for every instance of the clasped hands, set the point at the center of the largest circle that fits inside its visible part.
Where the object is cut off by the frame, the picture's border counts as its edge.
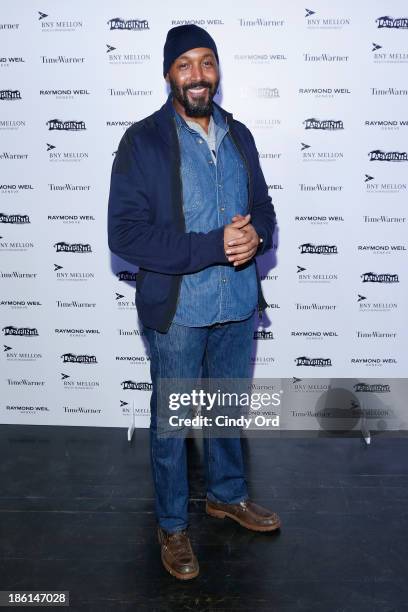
(240, 240)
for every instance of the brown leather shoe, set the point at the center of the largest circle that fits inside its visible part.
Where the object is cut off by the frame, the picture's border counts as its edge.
(246, 513)
(177, 555)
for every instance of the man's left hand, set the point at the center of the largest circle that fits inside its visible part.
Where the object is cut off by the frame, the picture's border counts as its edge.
(241, 250)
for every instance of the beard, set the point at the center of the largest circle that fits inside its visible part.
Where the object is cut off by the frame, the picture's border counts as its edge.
(199, 107)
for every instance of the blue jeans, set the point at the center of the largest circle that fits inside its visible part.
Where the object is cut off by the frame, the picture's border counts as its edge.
(223, 350)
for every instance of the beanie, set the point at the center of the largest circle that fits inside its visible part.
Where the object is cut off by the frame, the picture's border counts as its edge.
(183, 38)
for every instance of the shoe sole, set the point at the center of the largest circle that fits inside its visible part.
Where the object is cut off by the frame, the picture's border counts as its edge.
(173, 572)
(221, 514)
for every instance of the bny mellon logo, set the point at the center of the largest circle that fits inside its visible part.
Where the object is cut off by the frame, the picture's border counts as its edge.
(41, 15)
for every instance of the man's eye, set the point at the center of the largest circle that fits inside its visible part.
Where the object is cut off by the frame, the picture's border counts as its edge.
(208, 63)
(182, 66)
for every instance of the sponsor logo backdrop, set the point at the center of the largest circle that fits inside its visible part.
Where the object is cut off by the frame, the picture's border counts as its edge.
(324, 91)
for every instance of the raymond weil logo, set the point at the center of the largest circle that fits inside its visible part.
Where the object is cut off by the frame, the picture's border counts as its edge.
(72, 247)
(117, 56)
(72, 126)
(70, 219)
(49, 24)
(398, 23)
(64, 94)
(76, 332)
(323, 92)
(14, 218)
(374, 277)
(317, 362)
(15, 188)
(259, 58)
(373, 361)
(117, 23)
(388, 156)
(19, 304)
(382, 249)
(314, 334)
(10, 95)
(372, 186)
(317, 249)
(319, 219)
(310, 154)
(323, 124)
(316, 21)
(8, 61)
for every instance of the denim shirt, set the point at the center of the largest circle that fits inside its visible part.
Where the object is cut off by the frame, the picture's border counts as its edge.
(214, 190)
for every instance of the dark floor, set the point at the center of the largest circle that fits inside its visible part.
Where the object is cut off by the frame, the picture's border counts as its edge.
(76, 513)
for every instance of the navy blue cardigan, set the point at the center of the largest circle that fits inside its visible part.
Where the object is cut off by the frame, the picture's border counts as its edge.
(145, 213)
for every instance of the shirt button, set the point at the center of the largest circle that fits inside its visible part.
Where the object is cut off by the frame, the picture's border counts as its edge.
(199, 141)
(210, 161)
(222, 208)
(224, 280)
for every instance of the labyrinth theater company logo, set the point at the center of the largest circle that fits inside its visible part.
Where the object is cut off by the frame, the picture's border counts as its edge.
(318, 249)
(317, 362)
(136, 386)
(10, 94)
(389, 156)
(27, 332)
(323, 124)
(117, 23)
(14, 218)
(83, 359)
(72, 126)
(401, 23)
(373, 277)
(75, 247)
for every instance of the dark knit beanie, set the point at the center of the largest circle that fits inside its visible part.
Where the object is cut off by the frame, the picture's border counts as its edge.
(183, 38)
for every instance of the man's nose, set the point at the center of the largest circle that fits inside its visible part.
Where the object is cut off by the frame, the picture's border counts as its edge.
(196, 72)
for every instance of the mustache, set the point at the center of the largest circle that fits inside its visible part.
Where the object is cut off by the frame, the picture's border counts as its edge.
(197, 85)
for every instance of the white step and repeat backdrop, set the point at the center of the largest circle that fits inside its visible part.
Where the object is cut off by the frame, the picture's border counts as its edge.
(324, 90)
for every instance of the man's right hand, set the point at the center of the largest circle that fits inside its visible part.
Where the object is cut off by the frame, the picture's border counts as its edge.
(232, 231)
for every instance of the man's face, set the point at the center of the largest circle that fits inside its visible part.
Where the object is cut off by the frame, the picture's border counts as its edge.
(194, 80)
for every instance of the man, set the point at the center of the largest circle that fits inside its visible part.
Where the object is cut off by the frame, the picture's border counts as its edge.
(189, 205)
